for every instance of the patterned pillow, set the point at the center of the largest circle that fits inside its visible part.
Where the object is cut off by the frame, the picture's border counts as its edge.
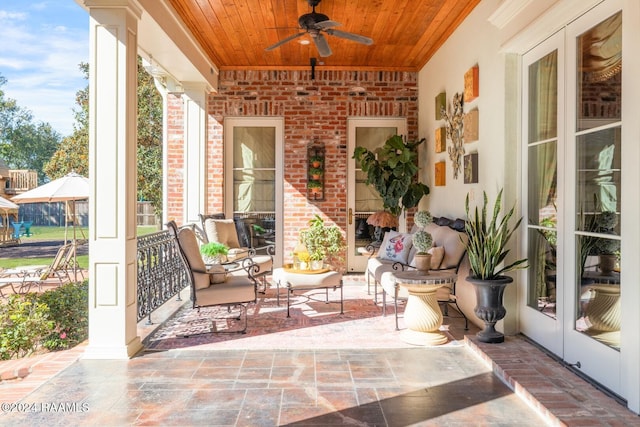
(396, 246)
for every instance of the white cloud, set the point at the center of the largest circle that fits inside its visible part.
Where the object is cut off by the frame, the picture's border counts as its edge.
(41, 48)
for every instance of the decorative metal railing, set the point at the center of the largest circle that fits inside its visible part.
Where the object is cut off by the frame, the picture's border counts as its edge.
(161, 274)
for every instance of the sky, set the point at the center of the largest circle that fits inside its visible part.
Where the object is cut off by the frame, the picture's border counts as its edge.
(42, 43)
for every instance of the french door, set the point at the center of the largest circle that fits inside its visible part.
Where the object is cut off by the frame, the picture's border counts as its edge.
(572, 134)
(253, 191)
(362, 199)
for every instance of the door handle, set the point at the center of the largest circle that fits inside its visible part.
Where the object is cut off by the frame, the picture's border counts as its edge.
(350, 216)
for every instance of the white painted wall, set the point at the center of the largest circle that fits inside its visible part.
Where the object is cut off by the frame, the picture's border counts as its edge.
(475, 41)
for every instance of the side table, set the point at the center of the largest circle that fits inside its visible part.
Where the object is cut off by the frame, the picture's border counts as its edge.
(422, 314)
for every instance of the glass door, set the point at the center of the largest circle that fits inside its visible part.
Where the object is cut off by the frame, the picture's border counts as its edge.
(543, 118)
(594, 178)
(253, 180)
(573, 145)
(363, 200)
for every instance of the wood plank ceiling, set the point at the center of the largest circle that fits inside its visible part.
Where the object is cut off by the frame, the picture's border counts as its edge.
(405, 33)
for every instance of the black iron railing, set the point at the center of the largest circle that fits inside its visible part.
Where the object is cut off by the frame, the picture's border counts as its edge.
(161, 274)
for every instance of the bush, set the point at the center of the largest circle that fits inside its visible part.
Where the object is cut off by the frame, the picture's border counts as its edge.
(24, 324)
(69, 310)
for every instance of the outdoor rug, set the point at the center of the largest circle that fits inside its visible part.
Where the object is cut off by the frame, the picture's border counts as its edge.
(313, 324)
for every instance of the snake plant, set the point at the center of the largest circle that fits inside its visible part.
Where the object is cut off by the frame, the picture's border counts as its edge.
(487, 246)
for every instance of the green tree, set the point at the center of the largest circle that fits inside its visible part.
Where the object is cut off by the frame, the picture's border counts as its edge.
(149, 140)
(73, 153)
(24, 144)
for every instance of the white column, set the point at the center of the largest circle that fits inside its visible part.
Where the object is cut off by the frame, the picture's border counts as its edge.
(112, 171)
(195, 151)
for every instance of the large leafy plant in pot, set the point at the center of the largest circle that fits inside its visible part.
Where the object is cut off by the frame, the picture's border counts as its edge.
(487, 251)
(392, 170)
(323, 242)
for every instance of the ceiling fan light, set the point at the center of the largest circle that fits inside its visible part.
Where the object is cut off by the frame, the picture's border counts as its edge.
(304, 41)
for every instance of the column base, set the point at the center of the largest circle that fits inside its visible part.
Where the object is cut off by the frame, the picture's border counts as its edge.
(423, 338)
(114, 353)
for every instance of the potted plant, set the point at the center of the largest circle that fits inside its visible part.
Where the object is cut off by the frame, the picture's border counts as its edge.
(322, 241)
(487, 251)
(423, 241)
(392, 170)
(315, 173)
(422, 218)
(214, 252)
(314, 186)
(606, 249)
(315, 161)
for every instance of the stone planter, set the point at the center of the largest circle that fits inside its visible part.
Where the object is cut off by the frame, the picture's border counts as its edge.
(489, 308)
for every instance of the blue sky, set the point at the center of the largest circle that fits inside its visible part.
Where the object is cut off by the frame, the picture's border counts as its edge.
(41, 44)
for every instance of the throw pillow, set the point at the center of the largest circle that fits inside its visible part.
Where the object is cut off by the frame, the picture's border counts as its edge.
(437, 255)
(217, 274)
(222, 231)
(396, 246)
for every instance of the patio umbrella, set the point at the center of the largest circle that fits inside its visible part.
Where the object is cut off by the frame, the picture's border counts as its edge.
(69, 188)
(6, 208)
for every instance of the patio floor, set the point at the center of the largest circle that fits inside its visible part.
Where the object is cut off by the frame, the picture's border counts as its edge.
(245, 381)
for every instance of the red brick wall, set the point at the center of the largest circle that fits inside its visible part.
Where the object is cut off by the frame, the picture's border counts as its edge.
(313, 110)
(175, 158)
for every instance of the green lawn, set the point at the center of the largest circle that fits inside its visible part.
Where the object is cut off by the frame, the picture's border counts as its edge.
(57, 233)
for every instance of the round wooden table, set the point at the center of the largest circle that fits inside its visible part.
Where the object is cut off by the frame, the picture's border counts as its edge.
(422, 314)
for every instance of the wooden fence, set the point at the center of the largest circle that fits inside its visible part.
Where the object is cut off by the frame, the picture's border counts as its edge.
(53, 214)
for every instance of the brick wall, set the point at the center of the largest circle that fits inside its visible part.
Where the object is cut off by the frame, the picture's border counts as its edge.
(313, 110)
(175, 158)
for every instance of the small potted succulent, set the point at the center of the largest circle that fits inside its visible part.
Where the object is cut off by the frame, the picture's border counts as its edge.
(214, 252)
(423, 241)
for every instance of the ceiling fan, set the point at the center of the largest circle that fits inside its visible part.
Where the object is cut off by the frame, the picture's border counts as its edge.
(314, 24)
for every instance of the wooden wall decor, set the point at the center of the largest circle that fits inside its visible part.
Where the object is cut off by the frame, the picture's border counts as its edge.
(471, 168)
(471, 120)
(471, 84)
(441, 104)
(441, 174)
(441, 140)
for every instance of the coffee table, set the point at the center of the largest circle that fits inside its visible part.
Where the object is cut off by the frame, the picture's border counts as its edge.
(422, 314)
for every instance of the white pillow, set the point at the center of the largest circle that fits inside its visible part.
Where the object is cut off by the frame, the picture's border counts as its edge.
(396, 246)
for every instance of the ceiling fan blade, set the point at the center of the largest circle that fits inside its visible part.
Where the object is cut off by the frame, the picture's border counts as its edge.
(326, 24)
(350, 36)
(322, 45)
(285, 40)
